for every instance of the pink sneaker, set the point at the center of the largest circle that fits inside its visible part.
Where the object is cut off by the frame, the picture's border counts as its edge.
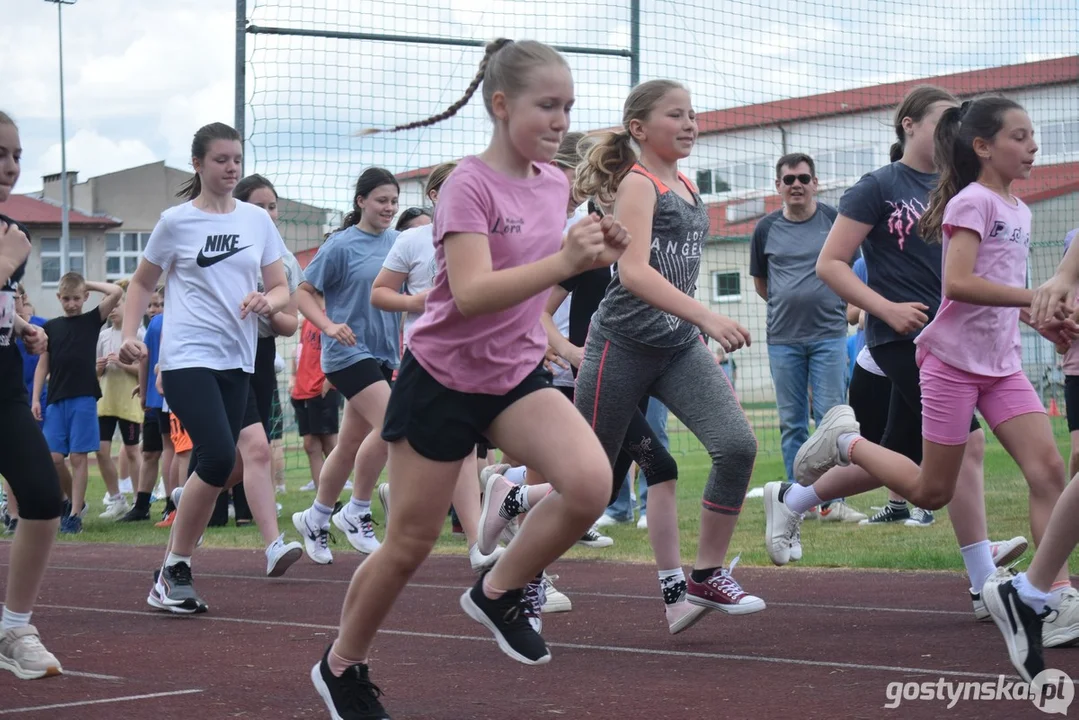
(722, 592)
(682, 615)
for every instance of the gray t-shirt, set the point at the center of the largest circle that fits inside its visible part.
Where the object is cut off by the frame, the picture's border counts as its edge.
(901, 266)
(678, 233)
(343, 270)
(294, 276)
(801, 308)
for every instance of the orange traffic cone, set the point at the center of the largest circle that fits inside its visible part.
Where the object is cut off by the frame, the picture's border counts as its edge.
(1054, 411)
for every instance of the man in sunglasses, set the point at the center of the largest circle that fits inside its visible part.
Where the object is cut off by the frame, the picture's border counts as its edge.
(807, 322)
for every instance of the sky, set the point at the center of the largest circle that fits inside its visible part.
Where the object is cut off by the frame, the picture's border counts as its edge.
(142, 76)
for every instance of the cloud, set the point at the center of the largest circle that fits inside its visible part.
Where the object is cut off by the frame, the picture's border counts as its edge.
(88, 150)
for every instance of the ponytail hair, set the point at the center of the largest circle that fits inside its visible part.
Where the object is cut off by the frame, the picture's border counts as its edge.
(505, 68)
(610, 156)
(369, 179)
(954, 156)
(437, 177)
(916, 105)
(200, 145)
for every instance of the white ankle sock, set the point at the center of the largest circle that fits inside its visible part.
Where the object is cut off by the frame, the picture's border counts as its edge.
(359, 508)
(320, 513)
(978, 559)
(799, 499)
(1032, 596)
(173, 559)
(13, 620)
(516, 475)
(845, 441)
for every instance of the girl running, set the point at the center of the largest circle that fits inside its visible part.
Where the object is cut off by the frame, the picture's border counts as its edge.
(26, 463)
(473, 371)
(212, 249)
(970, 354)
(360, 350)
(410, 266)
(880, 215)
(1019, 604)
(645, 339)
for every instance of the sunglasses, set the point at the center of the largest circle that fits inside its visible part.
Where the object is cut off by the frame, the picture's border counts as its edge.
(804, 178)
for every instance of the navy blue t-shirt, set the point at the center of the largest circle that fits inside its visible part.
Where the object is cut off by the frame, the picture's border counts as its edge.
(902, 267)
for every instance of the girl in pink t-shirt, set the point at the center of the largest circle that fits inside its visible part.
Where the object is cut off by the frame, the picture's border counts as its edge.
(474, 371)
(1070, 365)
(970, 354)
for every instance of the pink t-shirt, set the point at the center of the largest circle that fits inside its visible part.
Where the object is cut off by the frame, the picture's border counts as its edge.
(1070, 361)
(523, 219)
(980, 339)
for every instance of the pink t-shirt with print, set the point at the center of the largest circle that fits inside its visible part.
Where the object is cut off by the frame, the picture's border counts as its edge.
(980, 339)
(523, 219)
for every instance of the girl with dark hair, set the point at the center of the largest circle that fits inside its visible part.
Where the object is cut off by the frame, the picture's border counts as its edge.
(360, 350)
(212, 250)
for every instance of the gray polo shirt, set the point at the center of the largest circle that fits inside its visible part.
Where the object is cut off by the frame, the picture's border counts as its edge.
(801, 308)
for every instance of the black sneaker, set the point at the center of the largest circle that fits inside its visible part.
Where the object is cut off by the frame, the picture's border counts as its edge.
(1017, 621)
(174, 591)
(350, 697)
(920, 518)
(888, 514)
(507, 619)
(135, 514)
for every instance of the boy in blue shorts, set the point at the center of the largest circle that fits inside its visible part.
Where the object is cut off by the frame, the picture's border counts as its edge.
(70, 363)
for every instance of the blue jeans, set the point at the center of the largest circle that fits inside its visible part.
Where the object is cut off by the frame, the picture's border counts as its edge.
(622, 508)
(796, 369)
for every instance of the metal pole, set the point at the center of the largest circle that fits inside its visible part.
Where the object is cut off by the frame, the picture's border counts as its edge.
(239, 99)
(634, 42)
(64, 229)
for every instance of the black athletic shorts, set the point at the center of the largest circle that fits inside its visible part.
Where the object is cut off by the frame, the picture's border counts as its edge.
(151, 431)
(443, 424)
(1071, 401)
(319, 415)
(129, 431)
(358, 376)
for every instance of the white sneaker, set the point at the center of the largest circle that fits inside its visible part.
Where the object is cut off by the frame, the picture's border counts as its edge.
(796, 544)
(840, 511)
(159, 491)
(117, 508)
(487, 472)
(1063, 629)
(605, 520)
(510, 531)
(481, 562)
(682, 615)
(593, 539)
(22, 653)
(384, 499)
(780, 525)
(280, 556)
(642, 524)
(1005, 552)
(554, 601)
(309, 487)
(315, 538)
(820, 453)
(360, 530)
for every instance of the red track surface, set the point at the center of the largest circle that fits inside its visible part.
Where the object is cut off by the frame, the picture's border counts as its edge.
(827, 646)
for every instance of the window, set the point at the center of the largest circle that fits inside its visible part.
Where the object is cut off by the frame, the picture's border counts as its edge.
(1059, 138)
(123, 252)
(54, 265)
(726, 286)
(704, 182)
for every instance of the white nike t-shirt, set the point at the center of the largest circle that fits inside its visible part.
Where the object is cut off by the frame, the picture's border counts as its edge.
(413, 253)
(211, 263)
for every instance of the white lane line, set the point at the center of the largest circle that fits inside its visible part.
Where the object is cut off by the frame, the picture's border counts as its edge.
(104, 701)
(462, 588)
(935, 672)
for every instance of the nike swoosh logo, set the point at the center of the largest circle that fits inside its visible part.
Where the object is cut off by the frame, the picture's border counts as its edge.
(206, 262)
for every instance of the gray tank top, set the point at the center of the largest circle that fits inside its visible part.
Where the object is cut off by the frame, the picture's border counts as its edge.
(678, 234)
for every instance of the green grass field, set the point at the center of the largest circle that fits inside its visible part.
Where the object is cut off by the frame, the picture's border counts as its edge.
(826, 545)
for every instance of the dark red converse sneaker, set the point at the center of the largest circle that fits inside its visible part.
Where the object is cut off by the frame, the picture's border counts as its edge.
(720, 591)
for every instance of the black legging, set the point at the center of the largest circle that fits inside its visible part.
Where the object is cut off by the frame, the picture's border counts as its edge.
(210, 404)
(641, 445)
(264, 381)
(26, 463)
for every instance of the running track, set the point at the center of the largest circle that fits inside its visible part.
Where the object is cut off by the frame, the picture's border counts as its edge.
(826, 647)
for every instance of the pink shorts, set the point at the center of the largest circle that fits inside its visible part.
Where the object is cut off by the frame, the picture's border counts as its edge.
(949, 396)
